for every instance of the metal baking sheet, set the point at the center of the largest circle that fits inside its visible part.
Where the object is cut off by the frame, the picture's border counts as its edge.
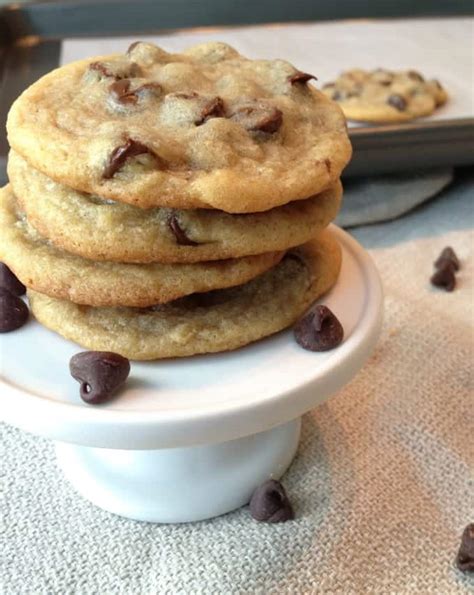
(37, 37)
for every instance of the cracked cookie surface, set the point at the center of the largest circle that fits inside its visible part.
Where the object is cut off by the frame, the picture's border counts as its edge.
(217, 321)
(108, 230)
(384, 96)
(41, 266)
(206, 128)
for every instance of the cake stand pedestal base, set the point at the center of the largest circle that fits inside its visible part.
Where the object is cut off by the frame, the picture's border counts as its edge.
(175, 485)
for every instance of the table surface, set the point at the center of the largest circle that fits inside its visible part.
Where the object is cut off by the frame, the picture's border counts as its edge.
(382, 484)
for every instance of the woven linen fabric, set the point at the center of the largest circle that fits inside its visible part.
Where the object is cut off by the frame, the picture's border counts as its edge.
(382, 484)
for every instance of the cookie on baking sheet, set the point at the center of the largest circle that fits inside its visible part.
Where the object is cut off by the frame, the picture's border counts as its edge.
(107, 230)
(41, 266)
(205, 128)
(202, 323)
(385, 96)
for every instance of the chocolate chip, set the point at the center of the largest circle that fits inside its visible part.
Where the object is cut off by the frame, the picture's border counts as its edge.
(398, 102)
(8, 280)
(337, 96)
(415, 76)
(100, 374)
(181, 95)
(447, 255)
(118, 73)
(118, 157)
(270, 503)
(385, 83)
(327, 163)
(181, 238)
(258, 117)
(465, 557)
(13, 311)
(319, 330)
(212, 109)
(102, 68)
(124, 95)
(120, 91)
(132, 46)
(301, 77)
(444, 277)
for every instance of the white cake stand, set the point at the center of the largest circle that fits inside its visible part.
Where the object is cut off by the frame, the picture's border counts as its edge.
(188, 439)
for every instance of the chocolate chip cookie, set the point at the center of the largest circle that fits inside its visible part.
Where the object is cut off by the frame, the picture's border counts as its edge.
(207, 128)
(108, 230)
(384, 96)
(202, 323)
(41, 266)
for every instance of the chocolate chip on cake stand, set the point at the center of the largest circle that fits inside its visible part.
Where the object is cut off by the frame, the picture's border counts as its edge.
(192, 438)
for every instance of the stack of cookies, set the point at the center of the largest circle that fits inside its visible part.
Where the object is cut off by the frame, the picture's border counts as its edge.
(163, 205)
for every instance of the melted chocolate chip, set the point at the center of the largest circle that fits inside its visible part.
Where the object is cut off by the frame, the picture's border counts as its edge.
(415, 76)
(385, 83)
(122, 93)
(212, 109)
(398, 102)
(465, 557)
(259, 118)
(447, 255)
(132, 46)
(118, 157)
(207, 299)
(319, 330)
(8, 280)
(13, 311)
(100, 374)
(181, 238)
(131, 71)
(100, 67)
(444, 277)
(301, 77)
(191, 95)
(327, 163)
(270, 504)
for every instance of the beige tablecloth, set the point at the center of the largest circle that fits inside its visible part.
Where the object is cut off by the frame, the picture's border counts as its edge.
(382, 485)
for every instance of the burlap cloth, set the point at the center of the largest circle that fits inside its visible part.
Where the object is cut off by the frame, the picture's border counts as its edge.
(382, 485)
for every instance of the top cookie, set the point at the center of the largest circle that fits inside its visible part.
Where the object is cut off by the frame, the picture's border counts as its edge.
(205, 128)
(384, 96)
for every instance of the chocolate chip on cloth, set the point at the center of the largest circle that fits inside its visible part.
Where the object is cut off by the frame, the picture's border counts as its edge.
(319, 330)
(465, 557)
(270, 504)
(447, 255)
(444, 277)
(100, 374)
(13, 311)
(9, 281)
